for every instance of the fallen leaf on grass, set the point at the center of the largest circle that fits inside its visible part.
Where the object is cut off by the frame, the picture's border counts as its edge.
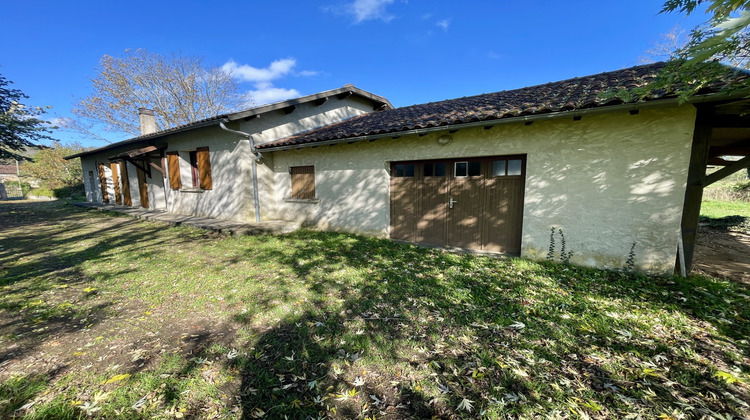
(116, 378)
(465, 404)
(728, 377)
(517, 325)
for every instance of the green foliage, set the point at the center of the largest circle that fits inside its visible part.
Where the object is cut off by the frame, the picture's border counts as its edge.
(630, 262)
(564, 256)
(683, 78)
(551, 250)
(723, 38)
(734, 188)
(50, 167)
(74, 192)
(20, 129)
(41, 192)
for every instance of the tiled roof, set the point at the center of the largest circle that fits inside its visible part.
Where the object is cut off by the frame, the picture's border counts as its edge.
(378, 101)
(566, 95)
(8, 169)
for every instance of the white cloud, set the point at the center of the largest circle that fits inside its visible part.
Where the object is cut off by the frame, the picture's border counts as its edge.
(247, 73)
(60, 122)
(443, 24)
(269, 95)
(363, 10)
(308, 73)
(262, 79)
(371, 9)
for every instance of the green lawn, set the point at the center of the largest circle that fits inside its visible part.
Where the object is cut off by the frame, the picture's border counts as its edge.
(726, 215)
(102, 315)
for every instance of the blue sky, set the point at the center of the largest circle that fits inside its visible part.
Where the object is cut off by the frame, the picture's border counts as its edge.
(411, 51)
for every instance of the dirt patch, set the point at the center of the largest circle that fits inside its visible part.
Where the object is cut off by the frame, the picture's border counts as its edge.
(724, 254)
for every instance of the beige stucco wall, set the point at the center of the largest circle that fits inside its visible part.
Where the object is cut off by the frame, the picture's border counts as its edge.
(229, 157)
(232, 194)
(608, 181)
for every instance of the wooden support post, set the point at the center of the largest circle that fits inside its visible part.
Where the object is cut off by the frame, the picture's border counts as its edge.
(731, 168)
(695, 180)
(145, 168)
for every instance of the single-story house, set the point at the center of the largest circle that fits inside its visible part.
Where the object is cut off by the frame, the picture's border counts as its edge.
(499, 172)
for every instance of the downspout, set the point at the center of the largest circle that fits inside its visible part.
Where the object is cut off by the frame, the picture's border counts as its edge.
(256, 156)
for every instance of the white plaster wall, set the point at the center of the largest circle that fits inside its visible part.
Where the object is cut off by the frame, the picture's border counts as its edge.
(157, 198)
(278, 125)
(135, 195)
(230, 160)
(608, 181)
(93, 192)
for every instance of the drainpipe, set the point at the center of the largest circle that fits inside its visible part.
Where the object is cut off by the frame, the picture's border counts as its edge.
(256, 155)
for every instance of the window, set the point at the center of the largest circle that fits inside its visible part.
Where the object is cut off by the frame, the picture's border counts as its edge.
(405, 170)
(511, 167)
(498, 167)
(303, 182)
(464, 169)
(199, 161)
(514, 167)
(194, 169)
(434, 169)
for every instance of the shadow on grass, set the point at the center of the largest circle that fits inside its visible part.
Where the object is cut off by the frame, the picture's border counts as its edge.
(352, 327)
(399, 331)
(43, 248)
(727, 223)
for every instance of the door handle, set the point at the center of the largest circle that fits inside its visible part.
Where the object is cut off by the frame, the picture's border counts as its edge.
(451, 201)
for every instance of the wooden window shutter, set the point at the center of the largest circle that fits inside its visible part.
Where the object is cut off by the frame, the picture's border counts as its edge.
(125, 183)
(103, 183)
(303, 182)
(116, 181)
(204, 168)
(173, 164)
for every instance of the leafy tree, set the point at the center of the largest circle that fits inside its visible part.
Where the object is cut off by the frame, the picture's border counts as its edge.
(20, 129)
(724, 38)
(50, 167)
(180, 90)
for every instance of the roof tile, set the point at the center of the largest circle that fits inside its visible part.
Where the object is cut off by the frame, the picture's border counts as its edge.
(566, 95)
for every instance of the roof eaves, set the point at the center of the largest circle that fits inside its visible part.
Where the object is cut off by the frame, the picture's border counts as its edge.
(309, 98)
(284, 144)
(153, 136)
(376, 99)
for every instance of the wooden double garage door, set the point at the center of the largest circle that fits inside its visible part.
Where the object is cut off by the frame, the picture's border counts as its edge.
(474, 203)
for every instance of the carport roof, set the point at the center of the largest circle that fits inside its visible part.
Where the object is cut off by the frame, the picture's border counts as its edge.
(579, 93)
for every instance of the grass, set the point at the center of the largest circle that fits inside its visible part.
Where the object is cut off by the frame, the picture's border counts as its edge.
(726, 215)
(107, 316)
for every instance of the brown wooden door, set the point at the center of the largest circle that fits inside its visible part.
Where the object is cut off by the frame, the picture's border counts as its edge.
(433, 202)
(125, 184)
(466, 204)
(404, 201)
(503, 208)
(116, 182)
(473, 203)
(142, 188)
(103, 183)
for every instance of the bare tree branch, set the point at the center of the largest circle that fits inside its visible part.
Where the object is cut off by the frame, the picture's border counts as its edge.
(180, 90)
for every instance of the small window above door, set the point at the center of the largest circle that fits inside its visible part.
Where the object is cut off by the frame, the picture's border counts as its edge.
(467, 169)
(433, 169)
(404, 170)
